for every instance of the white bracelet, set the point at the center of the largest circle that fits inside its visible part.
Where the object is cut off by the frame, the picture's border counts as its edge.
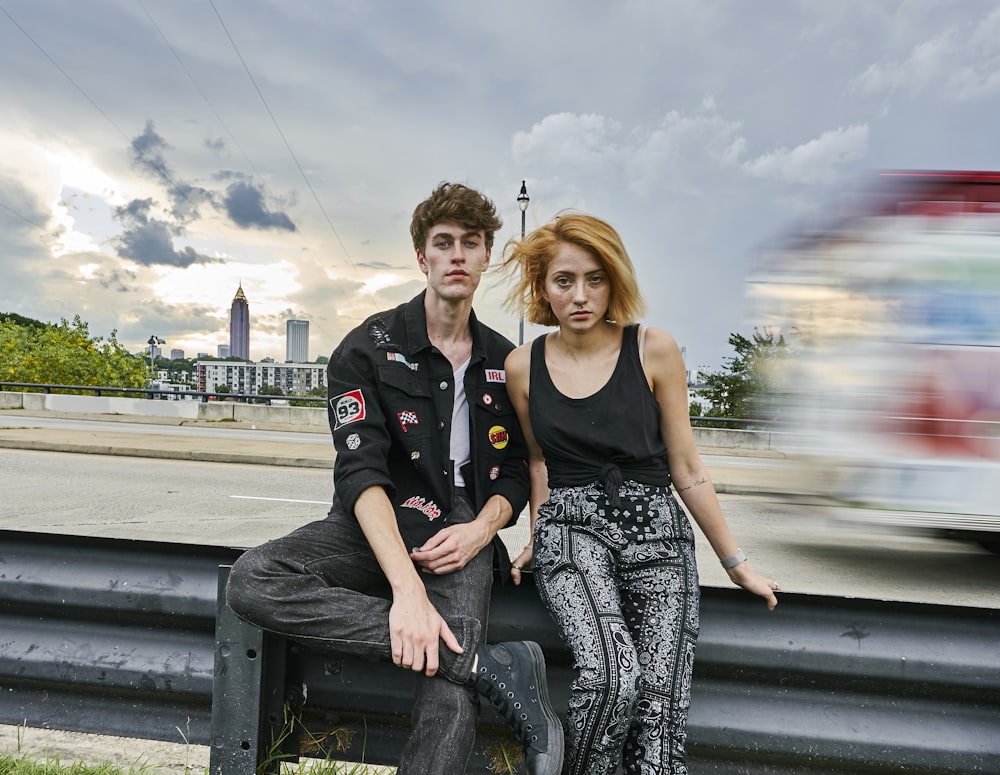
(734, 560)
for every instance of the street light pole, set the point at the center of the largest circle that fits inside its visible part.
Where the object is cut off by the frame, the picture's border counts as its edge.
(153, 341)
(522, 203)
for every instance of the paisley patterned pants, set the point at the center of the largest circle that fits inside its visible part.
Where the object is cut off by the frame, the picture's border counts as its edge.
(622, 587)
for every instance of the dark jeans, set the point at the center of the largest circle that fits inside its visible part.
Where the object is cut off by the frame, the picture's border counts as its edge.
(322, 586)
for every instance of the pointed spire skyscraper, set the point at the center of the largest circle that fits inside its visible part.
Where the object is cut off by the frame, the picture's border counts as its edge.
(239, 326)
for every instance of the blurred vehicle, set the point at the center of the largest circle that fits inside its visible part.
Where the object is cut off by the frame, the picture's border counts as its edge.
(890, 396)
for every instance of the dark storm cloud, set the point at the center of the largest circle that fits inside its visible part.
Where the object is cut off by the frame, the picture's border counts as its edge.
(245, 205)
(152, 244)
(149, 241)
(148, 153)
(149, 156)
(186, 198)
(118, 280)
(135, 211)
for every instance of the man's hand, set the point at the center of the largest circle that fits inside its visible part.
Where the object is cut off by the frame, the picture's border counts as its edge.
(451, 548)
(415, 627)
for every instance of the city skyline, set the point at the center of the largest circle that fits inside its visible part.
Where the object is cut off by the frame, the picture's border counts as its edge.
(240, 331)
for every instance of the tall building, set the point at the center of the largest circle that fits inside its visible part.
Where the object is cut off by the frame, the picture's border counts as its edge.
(297, 341)
(239, 326)
(222, 351)
(176, 354)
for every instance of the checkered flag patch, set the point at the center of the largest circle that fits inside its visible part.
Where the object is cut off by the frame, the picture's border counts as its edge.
(407, 417)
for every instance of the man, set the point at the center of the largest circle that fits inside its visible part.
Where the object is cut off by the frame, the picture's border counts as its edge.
(430, 465)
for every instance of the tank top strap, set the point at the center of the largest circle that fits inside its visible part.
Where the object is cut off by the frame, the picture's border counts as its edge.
(631, 355)
(537, 373)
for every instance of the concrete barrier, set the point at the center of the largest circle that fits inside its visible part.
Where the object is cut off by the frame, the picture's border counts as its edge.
(297, 417)
(11, 400)
(294, 416)
(732, 438)
(32, 401)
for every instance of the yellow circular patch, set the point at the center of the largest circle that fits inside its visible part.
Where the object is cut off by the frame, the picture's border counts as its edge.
(498, 437)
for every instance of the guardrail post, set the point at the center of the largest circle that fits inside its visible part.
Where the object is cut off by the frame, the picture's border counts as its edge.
(250, 731)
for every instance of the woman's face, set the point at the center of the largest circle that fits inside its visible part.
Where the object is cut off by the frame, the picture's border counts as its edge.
(577, 288)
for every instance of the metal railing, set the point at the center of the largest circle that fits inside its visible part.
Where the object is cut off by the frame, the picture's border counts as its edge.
(268, 400)
(159, 393)
(123, 638)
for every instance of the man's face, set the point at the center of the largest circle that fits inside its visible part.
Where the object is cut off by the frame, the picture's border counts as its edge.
(454, 259)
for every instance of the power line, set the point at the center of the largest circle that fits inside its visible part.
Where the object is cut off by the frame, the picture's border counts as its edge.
(288, 146)
(198, 87)
(24, 218)
(151, 162)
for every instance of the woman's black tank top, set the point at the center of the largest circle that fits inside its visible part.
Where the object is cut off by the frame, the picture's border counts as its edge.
(607, 437)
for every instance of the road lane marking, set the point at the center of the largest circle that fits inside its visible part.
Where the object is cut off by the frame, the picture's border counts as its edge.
(280, 500)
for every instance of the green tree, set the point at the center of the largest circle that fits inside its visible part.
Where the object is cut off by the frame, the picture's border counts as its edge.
(742, 388)
(13, 317)
(318, 392)
(66, 354)
(267, 390)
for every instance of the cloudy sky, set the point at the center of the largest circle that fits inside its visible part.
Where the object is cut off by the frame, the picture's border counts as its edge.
(159, 153)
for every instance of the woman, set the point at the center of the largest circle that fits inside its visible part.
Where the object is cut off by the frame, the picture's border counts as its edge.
(603, 405)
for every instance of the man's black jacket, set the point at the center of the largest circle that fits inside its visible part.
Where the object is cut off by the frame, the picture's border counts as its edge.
(390, 407)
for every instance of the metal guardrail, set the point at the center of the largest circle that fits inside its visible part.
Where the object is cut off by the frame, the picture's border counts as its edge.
(154, 393)
(107, 636)
(122, 637)
(735, 423)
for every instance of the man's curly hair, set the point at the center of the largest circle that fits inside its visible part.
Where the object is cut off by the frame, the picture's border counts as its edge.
(455, 203)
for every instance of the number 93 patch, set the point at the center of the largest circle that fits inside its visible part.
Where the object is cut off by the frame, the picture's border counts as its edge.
(347, 408)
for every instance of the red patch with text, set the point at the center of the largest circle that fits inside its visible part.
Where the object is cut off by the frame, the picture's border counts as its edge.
(347, 408)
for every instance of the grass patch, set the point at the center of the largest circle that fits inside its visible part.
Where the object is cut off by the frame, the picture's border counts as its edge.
(19, 758)
(318, 755)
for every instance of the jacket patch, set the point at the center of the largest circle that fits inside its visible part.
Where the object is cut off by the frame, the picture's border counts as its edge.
(347, 408)
(498, 437)
(496, 375)
(428, 508)
(353, 441)
(494, 473)
(378, 333)
(406, 417)
(400, 358)
(487, 399)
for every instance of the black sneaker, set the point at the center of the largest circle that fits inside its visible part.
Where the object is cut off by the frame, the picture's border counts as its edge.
(512, 677)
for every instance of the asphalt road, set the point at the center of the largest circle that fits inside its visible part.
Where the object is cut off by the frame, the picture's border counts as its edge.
(242, 504)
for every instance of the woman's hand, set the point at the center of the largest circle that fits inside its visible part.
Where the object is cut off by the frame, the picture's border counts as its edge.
(522, 562)
(744, 576)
